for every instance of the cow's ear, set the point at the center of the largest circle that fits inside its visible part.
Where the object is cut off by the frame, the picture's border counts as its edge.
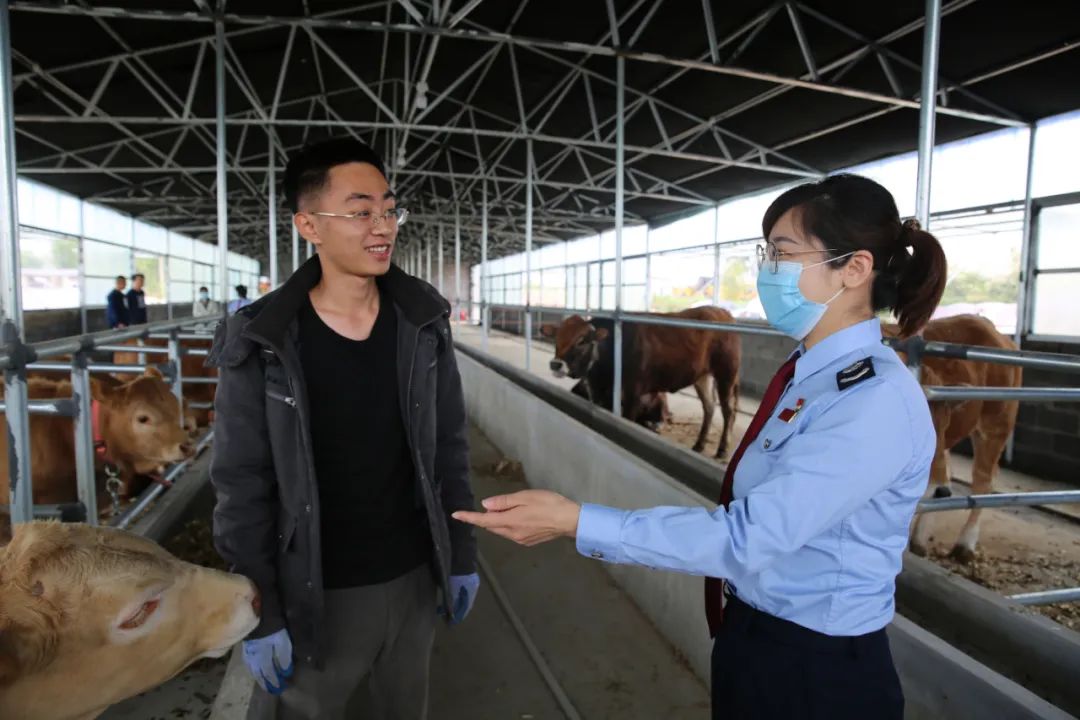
(153, 372)
(547, 330)
(103, 392)
(601, 334)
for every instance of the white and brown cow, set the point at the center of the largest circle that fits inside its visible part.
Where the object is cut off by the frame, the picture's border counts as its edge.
(656, 360)
(92, 616)
(138, 428)
(988, 423)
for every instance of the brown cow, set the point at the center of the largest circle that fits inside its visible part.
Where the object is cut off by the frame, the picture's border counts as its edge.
(138, 424)
(92, 616)
(191, 366)
(989, 423)
(656, 360)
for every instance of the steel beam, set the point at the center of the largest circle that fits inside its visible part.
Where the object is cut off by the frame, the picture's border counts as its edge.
(485, 289)
(620, 172)
(927, 117)
(530, 172)
(222, 196)
(16, 390)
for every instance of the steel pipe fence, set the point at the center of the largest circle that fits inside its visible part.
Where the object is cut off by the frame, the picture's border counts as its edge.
(21, 358)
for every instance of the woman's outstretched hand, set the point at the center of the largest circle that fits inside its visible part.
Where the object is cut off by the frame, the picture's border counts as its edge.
(529, 517)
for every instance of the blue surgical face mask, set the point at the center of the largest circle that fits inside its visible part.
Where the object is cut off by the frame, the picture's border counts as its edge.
(204, 296)
(786, 308)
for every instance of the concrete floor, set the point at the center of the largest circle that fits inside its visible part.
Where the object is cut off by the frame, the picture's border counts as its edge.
(610, 661)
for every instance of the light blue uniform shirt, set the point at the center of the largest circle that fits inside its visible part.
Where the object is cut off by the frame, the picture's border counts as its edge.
(823, 501)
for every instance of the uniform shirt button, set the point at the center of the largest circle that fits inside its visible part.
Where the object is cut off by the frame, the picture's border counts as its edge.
(310, 584)
(307, 508)
(597, 555)
(767, 444)
(309, 658)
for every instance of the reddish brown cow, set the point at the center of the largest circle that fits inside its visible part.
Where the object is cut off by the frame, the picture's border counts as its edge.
(656, 360)
(138, 424)
(988, 423)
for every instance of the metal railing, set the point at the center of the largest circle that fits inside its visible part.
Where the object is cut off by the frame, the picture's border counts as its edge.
(17, 359)
(916, 349)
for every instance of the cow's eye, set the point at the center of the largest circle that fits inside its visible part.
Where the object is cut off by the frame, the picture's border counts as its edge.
(141, 615)
(143, 419)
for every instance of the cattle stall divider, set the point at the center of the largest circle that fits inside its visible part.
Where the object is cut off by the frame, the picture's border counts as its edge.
(19, 358)
(916, 348)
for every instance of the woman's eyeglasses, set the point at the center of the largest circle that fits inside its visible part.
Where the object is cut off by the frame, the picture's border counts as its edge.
(769, 253)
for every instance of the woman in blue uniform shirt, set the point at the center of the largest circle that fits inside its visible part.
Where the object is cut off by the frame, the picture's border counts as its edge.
(821, 493)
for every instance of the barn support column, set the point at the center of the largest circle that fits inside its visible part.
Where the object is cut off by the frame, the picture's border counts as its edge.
(16, 393)
(272, 208)
(528, 251)
(485, 290)
(222, 196)
(427, 253)
(1023, 300)
(716, 256)
(620, 192)
(442, 290)
(457, 261)
(927, 110)
(295, 248)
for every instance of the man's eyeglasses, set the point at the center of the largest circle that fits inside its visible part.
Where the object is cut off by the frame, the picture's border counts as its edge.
(394, 216)
(769, 253)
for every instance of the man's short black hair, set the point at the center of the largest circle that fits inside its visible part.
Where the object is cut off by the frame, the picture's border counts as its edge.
(307, 171)
(204, 289)
(121, 277)
(136, 276)
(241, 290)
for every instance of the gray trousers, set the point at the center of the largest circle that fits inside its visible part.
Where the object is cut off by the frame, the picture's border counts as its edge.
(377, 642)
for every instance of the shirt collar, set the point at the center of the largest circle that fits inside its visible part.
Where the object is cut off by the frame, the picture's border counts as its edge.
(863, 334)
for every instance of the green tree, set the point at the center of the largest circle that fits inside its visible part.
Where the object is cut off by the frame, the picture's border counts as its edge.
(971, 287)
(735, 285)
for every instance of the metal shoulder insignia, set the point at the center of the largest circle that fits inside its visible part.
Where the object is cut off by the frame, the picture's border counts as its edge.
(855, 374)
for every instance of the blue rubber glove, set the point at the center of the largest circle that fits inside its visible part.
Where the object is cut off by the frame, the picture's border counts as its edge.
(270, 660)
(463, 588)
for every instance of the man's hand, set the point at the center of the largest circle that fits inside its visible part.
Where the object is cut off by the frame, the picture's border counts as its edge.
(270, 660)
(529, 517)
(463, 589)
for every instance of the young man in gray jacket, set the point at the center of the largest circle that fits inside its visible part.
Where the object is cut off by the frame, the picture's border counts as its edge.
(340, 452)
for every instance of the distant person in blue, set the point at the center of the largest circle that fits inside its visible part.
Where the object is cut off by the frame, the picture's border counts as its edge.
(818, 499)
(241, 300)
(136, 300)
(116, 309)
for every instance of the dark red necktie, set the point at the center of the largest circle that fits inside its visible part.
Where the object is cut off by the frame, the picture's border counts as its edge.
(714, 588)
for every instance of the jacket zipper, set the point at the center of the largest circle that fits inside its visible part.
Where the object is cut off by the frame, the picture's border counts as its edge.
(288, 400)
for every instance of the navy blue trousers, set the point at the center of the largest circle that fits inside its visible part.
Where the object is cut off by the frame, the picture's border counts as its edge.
(765, 668)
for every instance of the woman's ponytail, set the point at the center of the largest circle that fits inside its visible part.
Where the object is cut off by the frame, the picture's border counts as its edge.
(921, 278)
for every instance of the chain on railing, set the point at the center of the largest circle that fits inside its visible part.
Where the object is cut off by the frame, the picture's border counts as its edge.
(18, 358)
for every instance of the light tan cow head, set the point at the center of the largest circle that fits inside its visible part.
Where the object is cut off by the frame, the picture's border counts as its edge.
(141, 423)
(92, 616)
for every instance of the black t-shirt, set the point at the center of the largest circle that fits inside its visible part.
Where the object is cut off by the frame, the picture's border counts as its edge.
(373, 527)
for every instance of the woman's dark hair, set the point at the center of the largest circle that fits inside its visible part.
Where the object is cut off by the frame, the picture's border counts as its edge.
(308, 170)
(850, 212)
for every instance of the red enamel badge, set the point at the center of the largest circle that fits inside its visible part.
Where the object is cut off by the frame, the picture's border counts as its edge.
(788, 414)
